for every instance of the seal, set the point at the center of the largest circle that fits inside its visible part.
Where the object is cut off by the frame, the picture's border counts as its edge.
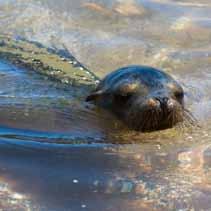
(145, 98)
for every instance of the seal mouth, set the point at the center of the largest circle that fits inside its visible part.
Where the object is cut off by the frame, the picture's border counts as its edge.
(157, 114)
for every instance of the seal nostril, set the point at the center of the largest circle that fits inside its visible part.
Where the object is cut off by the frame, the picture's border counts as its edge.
(166, 103)
(170, 104)
(160, 100)
(165, 100)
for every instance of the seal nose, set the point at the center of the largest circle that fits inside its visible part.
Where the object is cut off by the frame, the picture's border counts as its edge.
(167, 103)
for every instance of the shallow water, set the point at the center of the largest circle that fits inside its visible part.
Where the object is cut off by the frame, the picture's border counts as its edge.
(59, 153)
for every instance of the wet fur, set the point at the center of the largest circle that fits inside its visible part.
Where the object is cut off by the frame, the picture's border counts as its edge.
(145, 98)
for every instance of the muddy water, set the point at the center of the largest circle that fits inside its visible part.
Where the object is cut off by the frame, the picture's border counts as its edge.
(59, 153)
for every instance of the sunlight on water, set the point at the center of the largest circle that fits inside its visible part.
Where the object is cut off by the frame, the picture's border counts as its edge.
(10, 200)
(181, 24)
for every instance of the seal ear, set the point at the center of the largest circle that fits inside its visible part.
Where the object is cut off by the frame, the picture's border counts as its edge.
(94, 95)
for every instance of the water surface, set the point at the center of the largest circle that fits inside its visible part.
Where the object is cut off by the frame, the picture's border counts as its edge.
(59, 153)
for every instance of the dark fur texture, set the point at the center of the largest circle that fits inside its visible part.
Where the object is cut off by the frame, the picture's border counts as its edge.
(145, 98)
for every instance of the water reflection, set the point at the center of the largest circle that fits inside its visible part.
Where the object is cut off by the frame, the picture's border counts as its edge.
(11, 200)
(50, 137)
(134, 177)
(59, 153)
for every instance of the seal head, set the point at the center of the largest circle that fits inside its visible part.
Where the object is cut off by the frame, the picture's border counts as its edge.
(145, 98)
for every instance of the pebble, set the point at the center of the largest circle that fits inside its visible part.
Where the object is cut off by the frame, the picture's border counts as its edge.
(158, 146)
(206, 135)
(36, 60)
(52, 73)
(84, 78)
(88, 73)
(63, 59)
(83, 206)
(66, 81)
(75, 181)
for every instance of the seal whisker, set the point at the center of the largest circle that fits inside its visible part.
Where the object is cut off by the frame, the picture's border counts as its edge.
(157, 118)
(172, 115)
(145, 115)
(151, 120)
(190, 115)
(170, 118)
(190, 118)
(154, 119)
(148, 118)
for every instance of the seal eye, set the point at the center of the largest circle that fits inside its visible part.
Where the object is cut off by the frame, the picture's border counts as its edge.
(177, 90)
(179, 94)
(121, 99)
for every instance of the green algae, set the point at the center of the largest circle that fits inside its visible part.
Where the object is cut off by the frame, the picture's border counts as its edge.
(34, 56)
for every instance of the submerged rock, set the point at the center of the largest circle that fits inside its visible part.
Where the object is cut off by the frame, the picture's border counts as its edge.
(35, 57)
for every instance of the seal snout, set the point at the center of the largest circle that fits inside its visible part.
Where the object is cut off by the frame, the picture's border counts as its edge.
(166, 103)
(157, 113)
